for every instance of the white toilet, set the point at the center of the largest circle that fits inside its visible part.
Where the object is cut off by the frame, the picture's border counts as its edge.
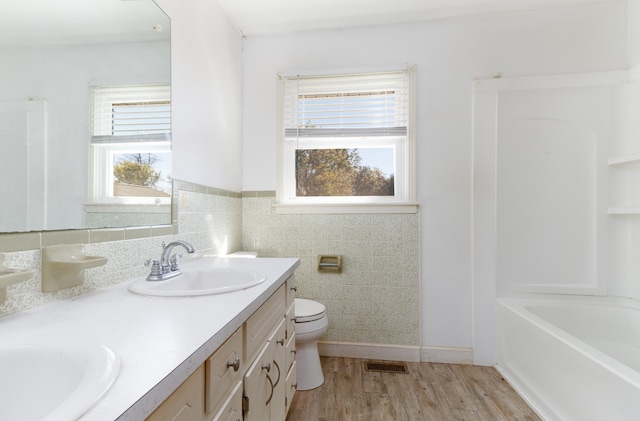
(311, 323)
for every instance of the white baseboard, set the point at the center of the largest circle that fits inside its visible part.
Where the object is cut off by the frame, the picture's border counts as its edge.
(370, 351)
(434, 354)
(396, 352)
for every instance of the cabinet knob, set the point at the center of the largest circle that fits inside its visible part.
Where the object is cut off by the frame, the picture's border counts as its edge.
(294, 289)
(293, 351)
(267, 367)
(235, 364)
(280, 341)
(295, 385)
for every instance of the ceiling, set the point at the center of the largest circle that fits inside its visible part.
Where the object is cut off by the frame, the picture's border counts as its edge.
(254, 17)
(40, 22)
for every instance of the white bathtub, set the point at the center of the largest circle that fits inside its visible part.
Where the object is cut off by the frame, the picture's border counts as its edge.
(572, 358)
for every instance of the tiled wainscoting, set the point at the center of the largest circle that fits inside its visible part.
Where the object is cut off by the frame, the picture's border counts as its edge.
(376, 299)
(208, 218)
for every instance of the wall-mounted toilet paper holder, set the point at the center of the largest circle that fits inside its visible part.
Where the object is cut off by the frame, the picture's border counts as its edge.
(330, 263)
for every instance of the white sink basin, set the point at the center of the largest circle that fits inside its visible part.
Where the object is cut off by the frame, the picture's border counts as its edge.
(53, 378)
(200, 281)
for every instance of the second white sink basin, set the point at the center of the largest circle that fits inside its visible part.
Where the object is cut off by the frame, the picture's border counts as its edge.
(200, 281)
(53, 378)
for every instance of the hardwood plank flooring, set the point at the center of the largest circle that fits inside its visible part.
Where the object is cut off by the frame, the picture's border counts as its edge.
(430, 391)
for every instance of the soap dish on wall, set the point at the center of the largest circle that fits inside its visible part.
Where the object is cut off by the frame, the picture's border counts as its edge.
(11, 276)
(63, 266)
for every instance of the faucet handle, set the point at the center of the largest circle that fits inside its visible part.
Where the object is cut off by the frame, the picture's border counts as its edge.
(156, 266)
(173, 261)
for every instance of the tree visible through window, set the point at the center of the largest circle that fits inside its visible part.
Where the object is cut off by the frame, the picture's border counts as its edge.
(339, 172)
(137, 169)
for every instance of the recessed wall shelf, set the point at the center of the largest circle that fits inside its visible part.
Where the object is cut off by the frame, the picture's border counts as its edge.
(624, 210)
(624, 159)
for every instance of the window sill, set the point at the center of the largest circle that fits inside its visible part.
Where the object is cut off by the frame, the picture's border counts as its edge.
(280, 208)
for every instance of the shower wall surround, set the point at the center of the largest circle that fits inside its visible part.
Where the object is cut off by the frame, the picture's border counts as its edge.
(376, 299)
(208, 218)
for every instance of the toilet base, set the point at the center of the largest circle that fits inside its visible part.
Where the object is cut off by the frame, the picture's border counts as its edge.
(309, 370)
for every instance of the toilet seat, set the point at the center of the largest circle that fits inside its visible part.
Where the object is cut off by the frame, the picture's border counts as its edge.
(308, 310)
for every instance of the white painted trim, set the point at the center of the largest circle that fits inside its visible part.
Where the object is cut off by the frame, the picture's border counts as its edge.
(553, 81)
(398, 67)
(370, 351)
(396, 352)
(485, 108)
(435, 354)
(634, 73)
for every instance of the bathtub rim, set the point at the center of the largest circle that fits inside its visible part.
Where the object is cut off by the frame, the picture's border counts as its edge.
(518, 302)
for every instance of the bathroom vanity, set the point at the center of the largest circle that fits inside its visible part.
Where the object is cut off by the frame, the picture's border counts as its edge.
(252, 373)
(215, 357)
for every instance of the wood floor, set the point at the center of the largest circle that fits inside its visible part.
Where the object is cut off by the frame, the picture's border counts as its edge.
(434, 392)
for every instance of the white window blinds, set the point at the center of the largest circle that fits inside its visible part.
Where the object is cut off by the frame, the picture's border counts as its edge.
(140, 113)
(358, 105)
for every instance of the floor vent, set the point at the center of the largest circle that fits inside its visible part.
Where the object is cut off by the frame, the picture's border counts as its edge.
(386, 367)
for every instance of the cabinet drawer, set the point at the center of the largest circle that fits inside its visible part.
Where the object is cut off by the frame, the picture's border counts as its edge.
(292, 288)
(186, 403)
(290, 350)
(290, 387)
(290, 321)
(221, 372)
(261, 323)
(231, 409)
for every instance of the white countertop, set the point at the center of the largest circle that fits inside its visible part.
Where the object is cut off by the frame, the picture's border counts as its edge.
(159, 340)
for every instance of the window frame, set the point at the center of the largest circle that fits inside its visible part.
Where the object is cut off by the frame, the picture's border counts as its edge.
(403, 147)
(102, 178)
(104, 146)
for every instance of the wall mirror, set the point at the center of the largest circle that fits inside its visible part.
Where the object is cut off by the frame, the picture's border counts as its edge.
(85, 114)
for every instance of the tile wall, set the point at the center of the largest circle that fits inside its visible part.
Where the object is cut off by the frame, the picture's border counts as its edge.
(376, 298)
(208, 218)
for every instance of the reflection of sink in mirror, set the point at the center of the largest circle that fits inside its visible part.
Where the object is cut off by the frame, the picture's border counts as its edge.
(53, 378)
(199, 280)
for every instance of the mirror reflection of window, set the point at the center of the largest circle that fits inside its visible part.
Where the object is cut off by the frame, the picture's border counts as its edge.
(131, 144)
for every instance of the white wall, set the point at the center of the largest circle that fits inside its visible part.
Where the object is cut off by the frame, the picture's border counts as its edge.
(206, 57)
(449, 54)
(634, 33)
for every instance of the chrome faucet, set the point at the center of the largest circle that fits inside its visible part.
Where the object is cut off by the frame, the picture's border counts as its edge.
(167, 266)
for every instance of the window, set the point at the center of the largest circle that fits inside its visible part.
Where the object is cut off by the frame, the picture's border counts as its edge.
(347, 139)
(131, 144)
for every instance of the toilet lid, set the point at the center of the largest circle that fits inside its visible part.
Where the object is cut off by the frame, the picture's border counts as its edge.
(308, 310)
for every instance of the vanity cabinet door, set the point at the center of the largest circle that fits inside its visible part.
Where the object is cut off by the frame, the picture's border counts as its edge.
(277, 409)
(258, 386)
(290, 387)
(231, 409)
(290, 353)
(186, 403)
